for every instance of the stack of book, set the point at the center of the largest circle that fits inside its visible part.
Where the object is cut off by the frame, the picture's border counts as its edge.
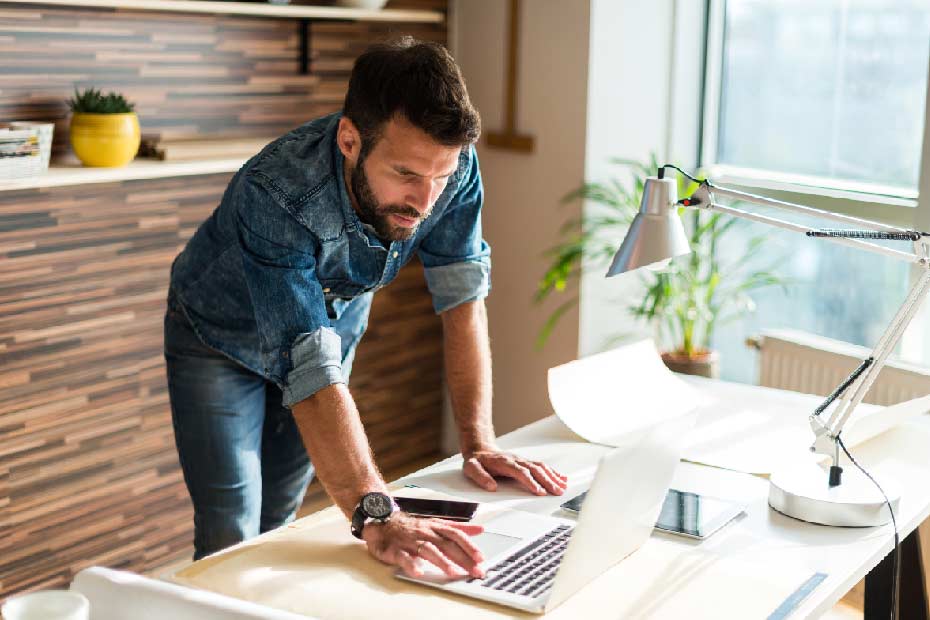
(20, 155)
(156, 147)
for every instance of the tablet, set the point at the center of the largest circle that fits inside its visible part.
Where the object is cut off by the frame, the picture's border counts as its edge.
(684, 513)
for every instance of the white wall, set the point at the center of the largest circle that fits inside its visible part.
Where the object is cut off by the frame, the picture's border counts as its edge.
(522, 191)
(643, 94)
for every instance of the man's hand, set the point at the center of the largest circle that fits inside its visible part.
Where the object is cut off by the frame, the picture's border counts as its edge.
(536, 477)
(404, 540)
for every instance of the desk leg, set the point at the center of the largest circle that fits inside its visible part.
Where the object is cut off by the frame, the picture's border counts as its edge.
(913, 591)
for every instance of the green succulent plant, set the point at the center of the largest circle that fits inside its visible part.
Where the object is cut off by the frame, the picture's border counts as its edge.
(92, 101)
(687, 301)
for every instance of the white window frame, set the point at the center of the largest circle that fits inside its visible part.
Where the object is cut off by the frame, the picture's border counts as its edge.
(892, 205)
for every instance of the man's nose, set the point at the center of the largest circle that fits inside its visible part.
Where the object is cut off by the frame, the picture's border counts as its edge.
(422, 196)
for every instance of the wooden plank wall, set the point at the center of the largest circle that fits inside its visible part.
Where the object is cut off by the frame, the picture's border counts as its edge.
(88, 469)
(189, 74)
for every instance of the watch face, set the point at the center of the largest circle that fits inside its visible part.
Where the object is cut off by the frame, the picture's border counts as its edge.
(377, 505)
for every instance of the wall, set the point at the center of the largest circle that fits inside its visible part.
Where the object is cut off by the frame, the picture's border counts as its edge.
(88, 468)
(522, 214)
(597, 79)
(190, 75)
(643, 93)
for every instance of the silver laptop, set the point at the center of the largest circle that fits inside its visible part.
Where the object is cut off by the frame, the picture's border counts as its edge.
(536, 562)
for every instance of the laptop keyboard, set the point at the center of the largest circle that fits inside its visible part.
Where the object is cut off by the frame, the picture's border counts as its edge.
(531, 570)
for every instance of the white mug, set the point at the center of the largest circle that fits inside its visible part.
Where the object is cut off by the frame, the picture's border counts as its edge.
(45, 132)
(47, 605)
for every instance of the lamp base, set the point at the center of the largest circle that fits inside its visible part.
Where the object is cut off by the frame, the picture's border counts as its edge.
(803, 493)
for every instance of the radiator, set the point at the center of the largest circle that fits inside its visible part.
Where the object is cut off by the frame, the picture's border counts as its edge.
(802, 362)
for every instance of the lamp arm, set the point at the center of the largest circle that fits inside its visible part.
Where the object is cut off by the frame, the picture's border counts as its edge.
(854, 388)
(771, 221)
(883, 349)
(796, 208)
(704, 198)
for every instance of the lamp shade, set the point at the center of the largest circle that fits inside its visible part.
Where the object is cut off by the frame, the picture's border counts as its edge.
(656, 234)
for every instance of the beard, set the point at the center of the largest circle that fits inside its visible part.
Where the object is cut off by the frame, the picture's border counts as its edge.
(376, 215)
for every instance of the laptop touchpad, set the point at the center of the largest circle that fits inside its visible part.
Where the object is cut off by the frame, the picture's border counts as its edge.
(492, 544)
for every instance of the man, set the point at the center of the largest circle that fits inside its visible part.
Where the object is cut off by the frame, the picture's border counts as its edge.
(271, 296)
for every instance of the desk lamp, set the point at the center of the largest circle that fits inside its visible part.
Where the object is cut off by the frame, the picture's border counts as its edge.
(803, 491)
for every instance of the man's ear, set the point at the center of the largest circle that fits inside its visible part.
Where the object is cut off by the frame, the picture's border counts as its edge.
(349, 140)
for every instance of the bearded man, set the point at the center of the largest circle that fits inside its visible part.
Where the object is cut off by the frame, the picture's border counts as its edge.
(270, 298)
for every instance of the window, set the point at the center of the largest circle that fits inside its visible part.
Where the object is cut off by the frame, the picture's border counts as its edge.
(820, 95)
(831, 290)
(833, 88)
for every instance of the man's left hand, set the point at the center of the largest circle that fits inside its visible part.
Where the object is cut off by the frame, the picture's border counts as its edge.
(536, 477)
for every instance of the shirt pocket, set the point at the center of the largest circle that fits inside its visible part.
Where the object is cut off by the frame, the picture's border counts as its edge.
(336, 288)
(338, 293)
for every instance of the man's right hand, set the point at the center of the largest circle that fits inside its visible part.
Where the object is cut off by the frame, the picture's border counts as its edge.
(404, 541)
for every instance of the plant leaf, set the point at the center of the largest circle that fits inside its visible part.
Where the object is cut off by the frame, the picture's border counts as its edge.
(550, 323)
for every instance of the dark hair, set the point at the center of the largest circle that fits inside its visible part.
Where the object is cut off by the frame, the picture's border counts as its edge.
(417, 79)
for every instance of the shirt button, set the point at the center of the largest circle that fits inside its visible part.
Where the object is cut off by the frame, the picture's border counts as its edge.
(325, 290)
(396, 254)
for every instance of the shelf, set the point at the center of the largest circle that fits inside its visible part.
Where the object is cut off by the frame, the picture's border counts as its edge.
(256, 9)
(65, 175)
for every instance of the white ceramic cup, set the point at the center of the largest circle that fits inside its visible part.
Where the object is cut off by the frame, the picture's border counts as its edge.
(47, 605)
(45, 132)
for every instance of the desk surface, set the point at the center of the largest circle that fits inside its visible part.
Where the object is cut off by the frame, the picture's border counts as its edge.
(762, 537)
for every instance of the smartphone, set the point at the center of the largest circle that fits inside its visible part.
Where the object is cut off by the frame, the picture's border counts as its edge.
(445, 509)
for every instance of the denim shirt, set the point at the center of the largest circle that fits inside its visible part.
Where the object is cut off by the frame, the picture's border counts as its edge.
(280, 277)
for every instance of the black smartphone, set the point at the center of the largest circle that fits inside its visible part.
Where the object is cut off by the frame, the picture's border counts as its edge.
(445, 509)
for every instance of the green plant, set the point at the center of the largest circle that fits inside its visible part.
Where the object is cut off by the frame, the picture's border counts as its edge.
(92, 101)
(693, 296)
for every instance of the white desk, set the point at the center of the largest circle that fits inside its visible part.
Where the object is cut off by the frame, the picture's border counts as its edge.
(845, 554)
(762, 536)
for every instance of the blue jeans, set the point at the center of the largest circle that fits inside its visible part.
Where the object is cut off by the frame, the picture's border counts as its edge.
(244, 463)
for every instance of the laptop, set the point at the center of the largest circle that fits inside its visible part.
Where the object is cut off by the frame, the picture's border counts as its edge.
(535, 562)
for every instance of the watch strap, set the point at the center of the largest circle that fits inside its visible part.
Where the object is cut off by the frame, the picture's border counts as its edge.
(358, 522)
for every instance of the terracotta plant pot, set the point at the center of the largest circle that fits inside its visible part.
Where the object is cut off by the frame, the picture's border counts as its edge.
(105, 140)
(701, 364)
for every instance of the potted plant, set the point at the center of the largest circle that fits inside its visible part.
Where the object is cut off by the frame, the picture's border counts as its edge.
(688, 300)
(104, 129)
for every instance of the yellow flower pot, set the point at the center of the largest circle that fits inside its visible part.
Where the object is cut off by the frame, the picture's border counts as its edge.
(105, 140)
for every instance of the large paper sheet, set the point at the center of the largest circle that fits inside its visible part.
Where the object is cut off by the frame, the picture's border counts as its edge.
(759, 430)
(745, 428)
(314, 567)
(118, 595)
(604, 397)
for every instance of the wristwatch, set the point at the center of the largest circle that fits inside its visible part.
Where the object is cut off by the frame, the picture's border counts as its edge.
(372, 507)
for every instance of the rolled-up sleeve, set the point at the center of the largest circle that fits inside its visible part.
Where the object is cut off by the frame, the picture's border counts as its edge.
(455, 257)
(300, 349)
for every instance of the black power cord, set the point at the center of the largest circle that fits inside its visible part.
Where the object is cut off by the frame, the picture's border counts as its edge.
(662, 168)
(896, 571)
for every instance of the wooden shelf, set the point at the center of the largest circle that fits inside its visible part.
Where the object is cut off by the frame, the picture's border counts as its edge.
(65, 175)
(257, 9)
(74, 174)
